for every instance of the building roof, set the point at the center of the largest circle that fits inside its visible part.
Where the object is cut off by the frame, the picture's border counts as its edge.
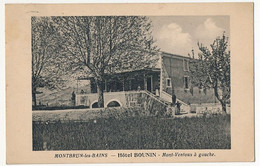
(174, 55)
(124, 72)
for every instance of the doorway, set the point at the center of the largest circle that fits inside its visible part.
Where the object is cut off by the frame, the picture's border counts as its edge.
(149, 83)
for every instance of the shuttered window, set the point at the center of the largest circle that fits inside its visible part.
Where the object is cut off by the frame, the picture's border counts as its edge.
(186, 82)
(185, 65)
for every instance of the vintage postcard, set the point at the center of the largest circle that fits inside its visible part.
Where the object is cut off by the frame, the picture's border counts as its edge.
(126, 83)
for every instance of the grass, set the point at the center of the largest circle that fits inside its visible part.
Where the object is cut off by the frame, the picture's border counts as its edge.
(135, 133)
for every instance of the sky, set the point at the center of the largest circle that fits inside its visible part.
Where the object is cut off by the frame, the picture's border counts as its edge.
(180, 34)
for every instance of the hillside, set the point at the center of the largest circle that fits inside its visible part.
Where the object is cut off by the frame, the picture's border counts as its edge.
(59, 97)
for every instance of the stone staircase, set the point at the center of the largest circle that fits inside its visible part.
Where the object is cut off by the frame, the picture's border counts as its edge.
(167, 97)
(158, 98)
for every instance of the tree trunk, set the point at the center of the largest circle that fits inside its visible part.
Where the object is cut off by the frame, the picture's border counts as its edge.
(223, 103)
(174, 98)
(100, 90)
(34, 98)
(224, 109)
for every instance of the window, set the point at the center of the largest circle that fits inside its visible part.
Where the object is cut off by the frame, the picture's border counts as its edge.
(185, 64)
(168, 82)
(186, 82)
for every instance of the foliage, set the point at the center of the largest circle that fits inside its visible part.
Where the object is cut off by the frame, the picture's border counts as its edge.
(135, 133)
(212, 69)
(99, 45)
(46, 114)
(46, 71)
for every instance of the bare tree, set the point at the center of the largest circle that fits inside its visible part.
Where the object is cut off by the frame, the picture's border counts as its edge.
(45, 71)
(106, 44)
(212, 69)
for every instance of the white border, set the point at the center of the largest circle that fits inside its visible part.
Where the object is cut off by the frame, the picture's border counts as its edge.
(257, 76)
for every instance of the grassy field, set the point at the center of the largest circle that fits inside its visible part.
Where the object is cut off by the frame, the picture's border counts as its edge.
(135, 133)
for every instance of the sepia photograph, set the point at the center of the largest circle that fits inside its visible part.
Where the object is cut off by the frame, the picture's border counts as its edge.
(130, 82)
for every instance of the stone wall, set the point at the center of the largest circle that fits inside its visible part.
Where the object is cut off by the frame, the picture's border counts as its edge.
(88, 99)
(208, 108)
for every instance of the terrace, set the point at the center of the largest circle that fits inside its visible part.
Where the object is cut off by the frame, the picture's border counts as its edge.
(122, 89)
